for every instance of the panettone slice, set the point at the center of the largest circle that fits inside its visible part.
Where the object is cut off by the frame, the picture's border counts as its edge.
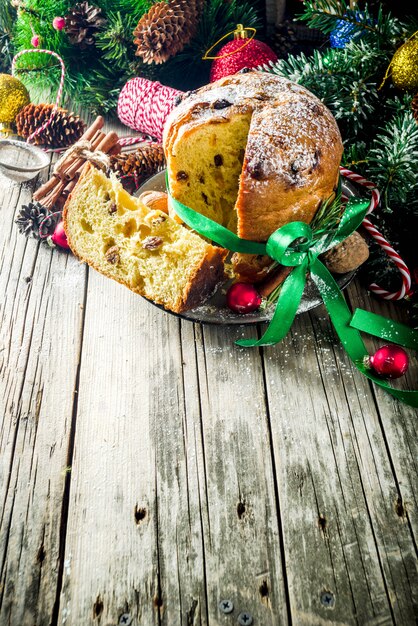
(144, 249)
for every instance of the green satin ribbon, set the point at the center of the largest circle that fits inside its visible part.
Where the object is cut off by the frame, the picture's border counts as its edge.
(294, 245)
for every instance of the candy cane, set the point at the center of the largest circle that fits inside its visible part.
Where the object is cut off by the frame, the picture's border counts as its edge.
(378, 237)
(60, 88)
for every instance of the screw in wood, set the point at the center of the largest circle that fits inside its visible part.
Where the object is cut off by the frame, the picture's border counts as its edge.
(327, 599)
(245, 619)
(226, 606)
(125, 619)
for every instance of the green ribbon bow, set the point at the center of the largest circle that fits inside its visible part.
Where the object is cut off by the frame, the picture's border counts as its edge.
(294, 245)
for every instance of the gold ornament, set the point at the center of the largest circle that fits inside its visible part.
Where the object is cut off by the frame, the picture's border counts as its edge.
(13, 97)
(404, 65)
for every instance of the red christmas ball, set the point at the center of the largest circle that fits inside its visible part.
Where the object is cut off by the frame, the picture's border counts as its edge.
(243, 298)
(59, 238)
(35, 41)
(238, 54)
(389, 361)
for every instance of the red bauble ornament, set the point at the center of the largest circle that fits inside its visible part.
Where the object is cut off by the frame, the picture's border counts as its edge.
(239, 53)
(389, 361)
(243, 298)
(35, 41)
(58, 23)
(59, 238)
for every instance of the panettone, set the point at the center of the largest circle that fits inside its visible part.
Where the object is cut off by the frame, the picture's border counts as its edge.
(142, 248)
(252, 151)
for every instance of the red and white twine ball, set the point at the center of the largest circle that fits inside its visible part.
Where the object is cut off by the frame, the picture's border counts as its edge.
(144, 105)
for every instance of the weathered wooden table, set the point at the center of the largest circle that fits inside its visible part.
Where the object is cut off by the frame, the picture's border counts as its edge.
(154, 473)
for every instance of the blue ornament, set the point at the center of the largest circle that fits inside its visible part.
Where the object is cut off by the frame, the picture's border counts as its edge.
(344, 32)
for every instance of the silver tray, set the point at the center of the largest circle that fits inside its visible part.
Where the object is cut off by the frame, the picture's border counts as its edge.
(215, 311)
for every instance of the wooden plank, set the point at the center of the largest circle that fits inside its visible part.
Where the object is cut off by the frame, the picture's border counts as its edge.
(398, 422)
(41, 319)
(130, 393)
(336, 486)
(140, 443)
(238, 493)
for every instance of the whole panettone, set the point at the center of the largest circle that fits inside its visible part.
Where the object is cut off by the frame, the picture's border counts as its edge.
(252, 151)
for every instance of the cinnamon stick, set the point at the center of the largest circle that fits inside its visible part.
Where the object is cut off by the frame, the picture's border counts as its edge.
(91, 133)
(271, 282)
(53, 196)
(108, 142)
(97, 138)
(69, 187)
(92, 130)
(45, 188)
(116, 149)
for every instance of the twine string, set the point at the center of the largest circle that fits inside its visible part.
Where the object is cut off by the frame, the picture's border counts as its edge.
(50, 216)
(82, 149)
(144, 106)
(247, 40)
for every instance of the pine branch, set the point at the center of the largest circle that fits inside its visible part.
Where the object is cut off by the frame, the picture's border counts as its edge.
(116, 40)
(326, 15)
(392, 161)
(132, 8)
(7, 17)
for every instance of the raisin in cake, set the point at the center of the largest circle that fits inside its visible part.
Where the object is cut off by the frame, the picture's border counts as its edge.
(144, 249)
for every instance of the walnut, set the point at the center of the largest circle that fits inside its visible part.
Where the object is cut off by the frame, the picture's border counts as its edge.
(113, 208)
(156, 200)
(347, 255)
(152, 243)
(112, 255)
(182, 175)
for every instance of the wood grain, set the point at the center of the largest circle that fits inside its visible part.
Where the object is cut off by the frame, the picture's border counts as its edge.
(40, 336)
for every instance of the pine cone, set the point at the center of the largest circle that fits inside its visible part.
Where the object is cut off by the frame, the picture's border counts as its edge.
(414, 107)
(285, 38)
(64, 129)
(30, 218)
(134, 167)
(82, 24)
(166, 29)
